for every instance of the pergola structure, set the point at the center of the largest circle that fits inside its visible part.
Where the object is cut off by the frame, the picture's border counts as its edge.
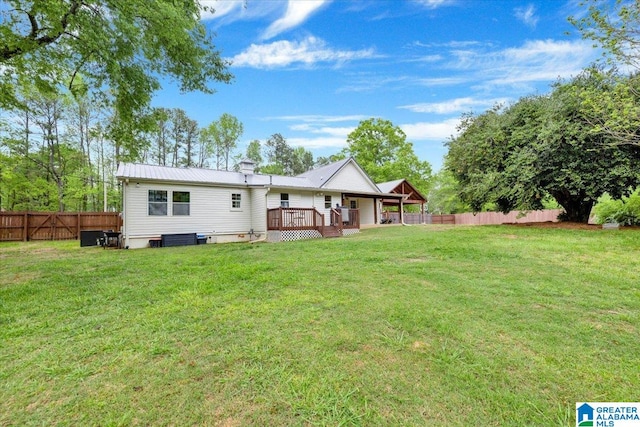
(404, 187)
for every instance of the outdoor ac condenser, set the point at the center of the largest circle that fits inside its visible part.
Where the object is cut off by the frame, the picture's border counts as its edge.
(345, 214)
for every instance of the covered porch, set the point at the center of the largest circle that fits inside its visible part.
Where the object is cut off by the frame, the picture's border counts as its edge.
(393, 207)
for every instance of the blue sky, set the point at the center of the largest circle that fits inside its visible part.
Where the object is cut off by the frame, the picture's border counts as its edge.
(311, 70)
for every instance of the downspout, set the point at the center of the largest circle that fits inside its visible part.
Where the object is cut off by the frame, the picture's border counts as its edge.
(125, 235)
(266, 226)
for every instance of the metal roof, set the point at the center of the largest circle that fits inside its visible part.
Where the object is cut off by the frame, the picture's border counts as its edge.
(311, 180)
(386, 187)
(321, 175)
(133, 171)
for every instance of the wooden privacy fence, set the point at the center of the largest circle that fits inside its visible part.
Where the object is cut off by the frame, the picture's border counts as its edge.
(481, 218)
(23, 226)
(419, 218)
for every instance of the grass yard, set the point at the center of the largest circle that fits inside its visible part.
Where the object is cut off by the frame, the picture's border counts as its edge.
(486, 326)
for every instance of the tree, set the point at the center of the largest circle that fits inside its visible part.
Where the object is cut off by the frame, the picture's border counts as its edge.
(323, 161)
(121, 48)
(302, 161)
(616, 28)
(285, 160)
(613, 26)
(444, 194)
(224, 134)
(279, 155)
(254, 153)
(382, 149)
(541, 145)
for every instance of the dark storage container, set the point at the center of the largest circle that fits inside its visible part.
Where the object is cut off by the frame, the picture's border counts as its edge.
(90, 237)
(179, 239)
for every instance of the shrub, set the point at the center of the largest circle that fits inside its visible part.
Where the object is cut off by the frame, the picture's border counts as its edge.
(625, 211)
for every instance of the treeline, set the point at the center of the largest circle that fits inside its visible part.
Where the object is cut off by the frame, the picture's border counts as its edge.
(61, 153)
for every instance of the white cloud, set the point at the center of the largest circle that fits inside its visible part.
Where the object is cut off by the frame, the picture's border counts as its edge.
(434, 4)
(527, 15)
(318, 118)
(283, 53)
(535, 61)
(431, 130)
(297, 13)
(218, 8)
(315, 131)
(319, 142)
(458, 105)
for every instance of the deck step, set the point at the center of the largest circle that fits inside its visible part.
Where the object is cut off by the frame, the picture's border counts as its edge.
(331, 231)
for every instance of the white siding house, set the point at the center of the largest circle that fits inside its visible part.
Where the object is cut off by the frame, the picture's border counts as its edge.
(242, 206)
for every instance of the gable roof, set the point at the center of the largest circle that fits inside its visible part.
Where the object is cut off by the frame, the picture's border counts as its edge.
(387, 187)
(402, 186)
(323, 176)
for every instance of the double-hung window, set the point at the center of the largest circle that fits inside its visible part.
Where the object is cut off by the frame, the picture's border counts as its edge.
(284, 200)
(157, 202)
(181, 203)
(236, 201)
(327, 202)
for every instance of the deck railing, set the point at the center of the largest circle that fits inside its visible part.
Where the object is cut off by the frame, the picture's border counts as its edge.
(294, 219)
(310, 219)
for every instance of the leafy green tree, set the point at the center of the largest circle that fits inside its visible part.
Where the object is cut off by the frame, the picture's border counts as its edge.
(382, 149)
(282, 159)
(254, 153)
(121, 48)
(323, 161)
(614, 26)
(443, 197)
(541, 145)
(302, 161)
(224, 134)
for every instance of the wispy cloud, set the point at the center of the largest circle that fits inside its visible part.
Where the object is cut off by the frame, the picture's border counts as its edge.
(297, 13)
(219, 8)
(431, 130)
(307, 52)
(320, 131)
(527, 15)
(434, 4)
(534, 61)
(318, 118)
(458, 105)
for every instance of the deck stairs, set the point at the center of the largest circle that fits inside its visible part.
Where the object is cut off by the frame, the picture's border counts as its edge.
(331, 231)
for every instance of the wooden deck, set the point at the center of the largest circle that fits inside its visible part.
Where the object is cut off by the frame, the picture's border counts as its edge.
(285, 219)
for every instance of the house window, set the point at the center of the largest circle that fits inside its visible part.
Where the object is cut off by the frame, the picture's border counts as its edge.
(157, 202)
(353, 204)
(181, 203)
(236, 200)
(327, 202)
(284, 200)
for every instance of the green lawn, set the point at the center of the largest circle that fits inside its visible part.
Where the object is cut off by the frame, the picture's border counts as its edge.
(468, 326)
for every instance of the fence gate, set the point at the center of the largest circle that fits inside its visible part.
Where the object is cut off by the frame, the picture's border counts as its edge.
(23, 226)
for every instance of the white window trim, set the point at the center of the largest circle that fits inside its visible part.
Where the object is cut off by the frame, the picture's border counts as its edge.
(234, 209)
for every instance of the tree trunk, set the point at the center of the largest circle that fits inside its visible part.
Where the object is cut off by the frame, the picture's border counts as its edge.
(577, 207)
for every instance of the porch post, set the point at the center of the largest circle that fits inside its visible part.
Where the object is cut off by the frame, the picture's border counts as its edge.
(375, 210)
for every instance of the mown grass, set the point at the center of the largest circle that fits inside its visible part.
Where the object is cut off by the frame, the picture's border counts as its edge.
(397, 326)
